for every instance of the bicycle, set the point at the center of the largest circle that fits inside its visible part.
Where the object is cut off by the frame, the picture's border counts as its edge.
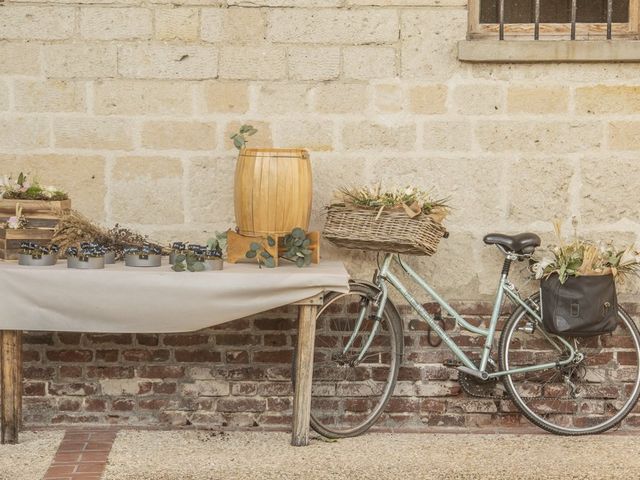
(565, 385)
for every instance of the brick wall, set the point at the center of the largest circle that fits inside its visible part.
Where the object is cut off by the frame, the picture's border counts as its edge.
(129, 105)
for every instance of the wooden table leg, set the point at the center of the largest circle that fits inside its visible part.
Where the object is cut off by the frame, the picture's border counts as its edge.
(304, 372)
(11, 382)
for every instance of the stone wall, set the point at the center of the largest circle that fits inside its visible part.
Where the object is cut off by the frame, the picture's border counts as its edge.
(129, 105)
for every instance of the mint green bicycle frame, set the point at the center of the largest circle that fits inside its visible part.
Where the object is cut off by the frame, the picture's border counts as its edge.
(505, 288)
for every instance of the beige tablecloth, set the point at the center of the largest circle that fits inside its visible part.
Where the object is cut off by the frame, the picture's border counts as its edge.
(127, 299)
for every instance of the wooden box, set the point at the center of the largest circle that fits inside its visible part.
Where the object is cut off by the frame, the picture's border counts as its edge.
(42, 217)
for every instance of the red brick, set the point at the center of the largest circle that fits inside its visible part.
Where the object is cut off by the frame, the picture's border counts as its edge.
(66, 418)
(38, 373)
(110, 372)
(161, 371)
(71, 356)
(153, 403)
(30, 355)
(143, 355)
(198, 356)
(106, 355)
(68, 405)
(185, 340)
(36, 338)
(69, 338)
(75, 389)
(34, 389)
(275, 340)
(237, 356)
(95, 405)
(235, 326)
(236, 404)
(123, 405)
(117, 338)
(274, 356)
(167, 388)
(68, 371)
(274, 323)
(147, 339)
(243, 340)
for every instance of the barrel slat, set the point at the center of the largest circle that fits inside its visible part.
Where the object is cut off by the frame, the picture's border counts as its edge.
(273, 191)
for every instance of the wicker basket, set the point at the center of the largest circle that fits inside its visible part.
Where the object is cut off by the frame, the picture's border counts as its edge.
(389, 232)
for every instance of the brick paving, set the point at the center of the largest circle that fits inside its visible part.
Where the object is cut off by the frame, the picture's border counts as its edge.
(82, 454)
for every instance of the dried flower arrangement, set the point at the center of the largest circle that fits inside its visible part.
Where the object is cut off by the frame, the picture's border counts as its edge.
(24, 189)
(17, 221)
(74, 229)
(580, 257)
(411, 199)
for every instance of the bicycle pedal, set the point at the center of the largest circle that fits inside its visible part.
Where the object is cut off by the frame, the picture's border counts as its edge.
(451, 363)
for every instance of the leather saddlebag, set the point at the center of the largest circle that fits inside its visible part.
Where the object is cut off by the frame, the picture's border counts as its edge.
(579, 307)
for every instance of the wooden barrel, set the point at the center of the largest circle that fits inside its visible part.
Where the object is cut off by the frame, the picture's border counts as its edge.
(273, 190)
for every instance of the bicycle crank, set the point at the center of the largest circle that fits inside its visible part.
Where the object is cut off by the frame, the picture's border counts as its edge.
(476, 387)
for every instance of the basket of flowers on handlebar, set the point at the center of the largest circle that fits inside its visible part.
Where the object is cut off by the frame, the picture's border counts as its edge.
(406, 220)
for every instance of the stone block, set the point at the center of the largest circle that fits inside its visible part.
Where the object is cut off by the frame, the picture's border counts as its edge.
(179, 135)
(542, 136)
(283, 98)
(19, 22)
(24, 132)
(84, 60)
(266, 62)
(376, 136)
(168, 61)
(147, 190)
(369, 62)
(177, 23)
(428, 99)
(448, 135)
(92, 133)
(341, 97)
(313, 63)
(49, 96)
(108, 23)
(361, 26)
(478, 99)
(224, 97)
(142, 97)
(537, 99)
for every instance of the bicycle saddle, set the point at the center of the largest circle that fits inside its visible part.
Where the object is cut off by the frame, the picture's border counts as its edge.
(521, 243)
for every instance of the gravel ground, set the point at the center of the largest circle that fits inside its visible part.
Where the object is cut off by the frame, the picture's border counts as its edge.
(29, 459)
(147, 455)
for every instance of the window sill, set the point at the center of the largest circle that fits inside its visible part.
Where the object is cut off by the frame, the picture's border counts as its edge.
(549, 51)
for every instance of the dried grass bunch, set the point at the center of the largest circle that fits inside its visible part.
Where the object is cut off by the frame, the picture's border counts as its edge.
(581, 257)
(74, 229)
(412, 200)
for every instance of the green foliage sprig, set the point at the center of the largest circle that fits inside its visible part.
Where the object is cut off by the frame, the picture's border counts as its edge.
(258, 251)
(298, 248)
(240, 138)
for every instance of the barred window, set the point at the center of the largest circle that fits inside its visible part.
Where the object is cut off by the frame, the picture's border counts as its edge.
(579, 19)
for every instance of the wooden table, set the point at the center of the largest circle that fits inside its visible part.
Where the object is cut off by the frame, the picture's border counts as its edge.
(11, 376)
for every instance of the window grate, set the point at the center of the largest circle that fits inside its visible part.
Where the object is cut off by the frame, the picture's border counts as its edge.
(536, 15)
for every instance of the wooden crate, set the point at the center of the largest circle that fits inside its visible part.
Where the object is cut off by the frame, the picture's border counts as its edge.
(237, 246)
(42, 217)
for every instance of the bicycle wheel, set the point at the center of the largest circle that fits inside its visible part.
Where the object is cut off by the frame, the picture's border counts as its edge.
(347, 395)
(590, 395)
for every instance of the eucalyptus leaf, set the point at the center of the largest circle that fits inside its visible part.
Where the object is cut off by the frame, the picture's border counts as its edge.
(269, 262)
(271, 241)
(300, 262)
(255, 246)
(251, 254)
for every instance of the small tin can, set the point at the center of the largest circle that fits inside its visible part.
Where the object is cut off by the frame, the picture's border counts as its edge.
(37, 261)
(142, 260)
(211, 264)
(172, 258)
(110, 257)
(86, 263)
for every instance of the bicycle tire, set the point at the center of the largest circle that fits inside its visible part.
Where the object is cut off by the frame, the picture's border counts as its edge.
(394, 329)
(587, 399)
